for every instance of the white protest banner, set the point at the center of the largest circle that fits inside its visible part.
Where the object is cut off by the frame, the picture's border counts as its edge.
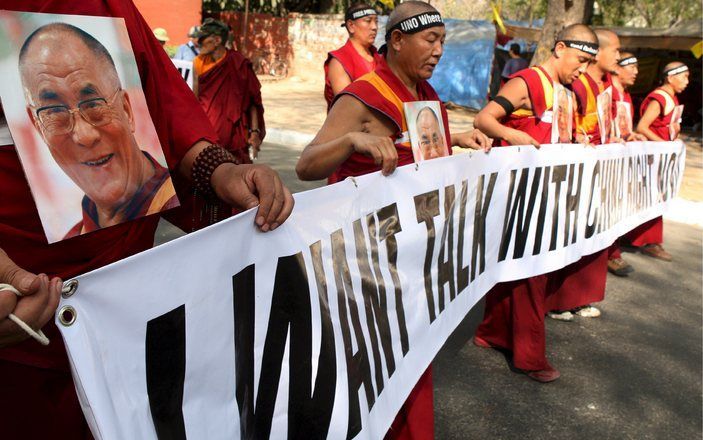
(321, 328)
(185, 68)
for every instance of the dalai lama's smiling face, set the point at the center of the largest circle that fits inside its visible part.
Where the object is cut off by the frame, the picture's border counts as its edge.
(75, 101)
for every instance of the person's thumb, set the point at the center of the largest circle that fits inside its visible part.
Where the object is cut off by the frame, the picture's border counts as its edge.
(26, 282)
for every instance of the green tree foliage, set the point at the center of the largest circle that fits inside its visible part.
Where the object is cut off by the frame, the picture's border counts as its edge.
(282, 7)
(646, 13)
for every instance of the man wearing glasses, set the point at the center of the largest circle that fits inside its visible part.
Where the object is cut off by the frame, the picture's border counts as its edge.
(76, 102)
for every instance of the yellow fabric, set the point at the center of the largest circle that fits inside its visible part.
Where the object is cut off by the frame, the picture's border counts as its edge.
(163, 195)
(670, 104)
(697, 49)
(203, 63)
(588, 122)
(547, 89)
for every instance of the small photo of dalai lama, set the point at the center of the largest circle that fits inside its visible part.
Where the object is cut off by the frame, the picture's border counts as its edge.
(81, 127)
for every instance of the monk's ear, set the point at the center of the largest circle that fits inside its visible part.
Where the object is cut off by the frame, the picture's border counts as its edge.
(35, 122)
(396, 40)
(559, 49)
(127, 107)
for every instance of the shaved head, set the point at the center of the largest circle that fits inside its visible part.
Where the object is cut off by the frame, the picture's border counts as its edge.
(577, 32)
(624, 55)
(673, 65)
(606, 37)
(408, 9)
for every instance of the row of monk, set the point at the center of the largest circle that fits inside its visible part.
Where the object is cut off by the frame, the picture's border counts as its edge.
(366, 131)
(207, 145)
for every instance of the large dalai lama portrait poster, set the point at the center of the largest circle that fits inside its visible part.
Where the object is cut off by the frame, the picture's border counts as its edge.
(426, 129)
(562, 114)
(73, 100)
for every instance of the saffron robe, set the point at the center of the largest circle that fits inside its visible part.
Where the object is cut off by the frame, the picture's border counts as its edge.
(514, 311)
(226, 91)
(353, 64)
(381, 90)
(586, 118)
(41, 378)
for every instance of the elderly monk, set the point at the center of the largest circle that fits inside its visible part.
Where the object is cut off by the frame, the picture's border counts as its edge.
(358, 56)
(657, 124)
(38, 397)
(229, 92)
(583, 282)
(61, 64)
(521, 114)
(366, 131)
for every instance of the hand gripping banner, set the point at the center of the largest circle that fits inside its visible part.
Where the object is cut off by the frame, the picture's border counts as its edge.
(321, 328)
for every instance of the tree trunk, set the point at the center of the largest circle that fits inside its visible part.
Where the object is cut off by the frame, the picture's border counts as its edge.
(560, 13)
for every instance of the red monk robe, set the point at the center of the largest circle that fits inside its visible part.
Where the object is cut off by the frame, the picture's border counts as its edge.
(652, 232)
(353, 64)
(37, 397)
(514, 311)
(381, 90)
(583, 282)
(227, 89)
(618, 96)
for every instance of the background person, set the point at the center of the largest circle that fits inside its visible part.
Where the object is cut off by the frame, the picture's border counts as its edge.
(514, 64)
(358, 56)
(189, 50)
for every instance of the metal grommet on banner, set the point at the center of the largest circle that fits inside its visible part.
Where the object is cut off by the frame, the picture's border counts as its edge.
(67, 316)
(69, 288)
(354, 181)
(417, 166)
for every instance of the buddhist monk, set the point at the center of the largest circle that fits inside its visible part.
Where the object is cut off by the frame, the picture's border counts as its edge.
(657, 123)
(521, 115)
(583, 283)
(38, 397)
(364, 132)
(358, 56)
(229, 92)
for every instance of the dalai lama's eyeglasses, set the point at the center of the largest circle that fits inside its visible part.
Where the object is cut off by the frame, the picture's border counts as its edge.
(59, 119)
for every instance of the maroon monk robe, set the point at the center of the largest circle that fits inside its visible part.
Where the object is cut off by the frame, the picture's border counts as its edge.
(652, 232)
(415, 420)
(39, 400)
(353, 64)
(514, 311)
(227, 91)
(583, 282)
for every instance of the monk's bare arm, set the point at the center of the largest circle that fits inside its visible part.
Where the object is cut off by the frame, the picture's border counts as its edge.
(350, 126)
(473, 139)
(488, 119)
(650, 114)
(339, 79)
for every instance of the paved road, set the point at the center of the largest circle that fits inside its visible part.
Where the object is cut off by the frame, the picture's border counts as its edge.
(634, 373)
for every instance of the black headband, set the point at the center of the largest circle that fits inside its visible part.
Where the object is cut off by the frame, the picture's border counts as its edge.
(583, 46)
(676, 70)
(359, 13)
(417, 23)
(627, 61)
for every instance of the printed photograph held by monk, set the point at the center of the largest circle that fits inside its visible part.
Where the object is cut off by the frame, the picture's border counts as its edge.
(426, 132)
(563, 115)
(87, 144)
